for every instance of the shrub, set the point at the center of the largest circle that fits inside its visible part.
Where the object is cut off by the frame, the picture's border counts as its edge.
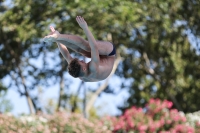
(193, 119)
(157, 116)
(57, 123)
(74, 123)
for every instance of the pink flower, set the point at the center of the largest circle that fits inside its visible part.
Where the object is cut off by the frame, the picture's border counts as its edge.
(162, 121)
(157, 101)
(169, 104)
(157, 124)
(121, 118)
(126, 113)
(198, 123)
(169, 122)
(190, 130)
(179, 127)
(130, 124)
(133, 108)
(176, 118)
(140, 110)
(117, 127)
(151, 100)
(152, 128)
(184, 119)
(173, 131)
(122, 123)
(158, 114)
(142, 127)
(157, 110)
(173, 111)
(164, 132)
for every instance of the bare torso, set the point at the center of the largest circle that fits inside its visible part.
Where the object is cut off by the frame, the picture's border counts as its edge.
(104, 70)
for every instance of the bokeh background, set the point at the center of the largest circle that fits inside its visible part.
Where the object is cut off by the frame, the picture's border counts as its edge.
(157, 65)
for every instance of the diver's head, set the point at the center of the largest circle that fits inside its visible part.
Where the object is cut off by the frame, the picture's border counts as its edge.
(77, 68)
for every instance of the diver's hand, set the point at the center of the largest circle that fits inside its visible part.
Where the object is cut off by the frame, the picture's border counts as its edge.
(82, 23)
(52, 37)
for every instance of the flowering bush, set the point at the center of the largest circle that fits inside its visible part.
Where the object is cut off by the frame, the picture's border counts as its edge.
(57, 123)
(74, 123)
(193, 119)
(158, 117)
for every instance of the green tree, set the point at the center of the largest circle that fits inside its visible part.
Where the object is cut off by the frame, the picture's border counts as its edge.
(5, 104)
(164, 64)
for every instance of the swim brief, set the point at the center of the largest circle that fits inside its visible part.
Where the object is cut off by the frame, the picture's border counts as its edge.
(113, 51)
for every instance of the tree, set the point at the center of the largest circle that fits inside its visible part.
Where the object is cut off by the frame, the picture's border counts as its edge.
(5, 104)
(165, 65)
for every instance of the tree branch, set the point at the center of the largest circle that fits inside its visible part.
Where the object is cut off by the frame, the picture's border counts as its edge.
(29, 100)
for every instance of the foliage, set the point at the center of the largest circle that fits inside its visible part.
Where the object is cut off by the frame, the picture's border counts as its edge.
(194, 120)
(5, 104)
(57, 123)
(157, 116)
(160, 56)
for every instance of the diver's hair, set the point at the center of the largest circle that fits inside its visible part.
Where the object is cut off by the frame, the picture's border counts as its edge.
(74, 68)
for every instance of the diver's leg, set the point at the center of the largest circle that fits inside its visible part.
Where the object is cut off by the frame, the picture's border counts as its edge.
(104, 47)
(75, 48)
(75, 40)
